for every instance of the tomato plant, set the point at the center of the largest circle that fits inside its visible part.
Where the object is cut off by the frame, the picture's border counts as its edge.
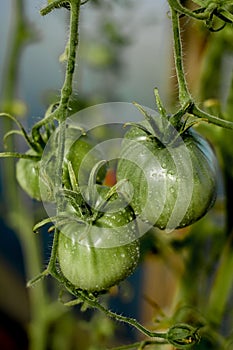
(166, 176)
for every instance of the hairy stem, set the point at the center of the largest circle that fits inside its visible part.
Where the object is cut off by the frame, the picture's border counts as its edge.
(63, 107)
(70, 67)
(184, 95)
(93, 302)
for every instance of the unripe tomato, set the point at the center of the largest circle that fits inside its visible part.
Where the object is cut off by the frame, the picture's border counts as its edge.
(37, 184)
(97, 268)
(40, 186)
(81, 164)
(174, 185)
(27, 175)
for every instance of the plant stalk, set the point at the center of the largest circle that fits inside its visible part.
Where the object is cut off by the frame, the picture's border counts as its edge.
(184, 95)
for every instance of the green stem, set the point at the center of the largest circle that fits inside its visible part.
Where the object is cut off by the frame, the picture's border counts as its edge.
(52, 261)
(184, 95)
(18, 155)
(61, 113)
(185, 99)
(72, 50)
(66, 93)
(211, 118)
(93, 302)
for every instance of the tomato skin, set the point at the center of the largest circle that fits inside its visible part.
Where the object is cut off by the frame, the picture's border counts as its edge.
(76, 155)
(27, 175)
(170, 179)
(31, 179)
(94, 268)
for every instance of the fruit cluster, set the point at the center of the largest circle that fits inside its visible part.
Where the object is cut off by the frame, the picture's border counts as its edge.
(172, 175)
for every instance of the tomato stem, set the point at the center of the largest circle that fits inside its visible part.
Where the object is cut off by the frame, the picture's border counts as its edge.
(185, 98)
(18, 155)
(66, 92)
(183, 334)
(211, 118)
(53, 258)
(93, 301)
(184, 95)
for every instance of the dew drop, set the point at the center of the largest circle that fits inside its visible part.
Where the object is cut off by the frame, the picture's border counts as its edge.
(171, 172)
(168, 230)
(172, 190)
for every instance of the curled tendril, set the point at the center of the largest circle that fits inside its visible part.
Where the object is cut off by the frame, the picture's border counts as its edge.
(207, 13)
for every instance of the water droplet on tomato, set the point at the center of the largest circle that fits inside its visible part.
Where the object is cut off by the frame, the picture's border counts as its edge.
(171, 172)
(168, 230)
(172, 190)
(164, 165)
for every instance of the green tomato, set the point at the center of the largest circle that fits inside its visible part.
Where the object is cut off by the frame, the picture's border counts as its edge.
(39, 185)
(27, 175)
(173, 185)
(82, 157)
(98, 267)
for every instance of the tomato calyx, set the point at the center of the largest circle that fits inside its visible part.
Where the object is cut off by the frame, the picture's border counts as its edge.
(165, 129)
(172, 171)
(80, 156)
(36, 142)
(91, 202)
